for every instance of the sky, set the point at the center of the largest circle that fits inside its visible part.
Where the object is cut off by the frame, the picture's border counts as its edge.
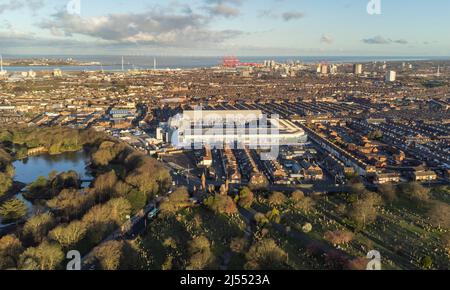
(225, 27)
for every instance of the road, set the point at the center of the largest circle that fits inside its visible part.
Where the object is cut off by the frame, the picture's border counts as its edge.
(135, 226)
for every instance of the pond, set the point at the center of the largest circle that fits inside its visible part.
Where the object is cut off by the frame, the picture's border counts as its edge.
(29, 169)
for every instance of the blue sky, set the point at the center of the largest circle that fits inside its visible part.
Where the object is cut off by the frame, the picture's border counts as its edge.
(225, 27)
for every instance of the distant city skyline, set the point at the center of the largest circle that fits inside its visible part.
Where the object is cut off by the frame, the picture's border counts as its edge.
(224, 27)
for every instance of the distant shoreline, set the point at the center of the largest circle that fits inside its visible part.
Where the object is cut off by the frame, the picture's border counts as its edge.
(113, 63)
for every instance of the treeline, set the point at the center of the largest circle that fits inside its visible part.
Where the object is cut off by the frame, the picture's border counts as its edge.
(80, 219)
(129, 174)
(6, 172)
(42, 242)
(55, 140)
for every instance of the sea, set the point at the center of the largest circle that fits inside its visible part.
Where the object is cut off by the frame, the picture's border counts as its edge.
(114, 62)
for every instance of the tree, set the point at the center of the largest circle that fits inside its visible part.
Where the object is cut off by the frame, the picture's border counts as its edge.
(137, 199)
(109, 255)
(5, 183)
(101, 220)
(5, 158)
(426, 262)
(10, 171)
(38, 189)
(388, 193)
(364, 210)
(121, 188)
(277, 198)
(72, 203)
(274, 215)
(69, 236)
(339, 237)
(266, 255)
(415, 192)
(105, 154)
(176, 201)
(69, 179)
(147, 174)
(246, 197)
(10, 249)
(297, 196)
(104, 185)
(200, 254)
(261, 219)
(304, 205)
(375, 135)
(46, 256)
(119, 209)
(439, 215)
(38, 226)
(13, 210)
(221, 204)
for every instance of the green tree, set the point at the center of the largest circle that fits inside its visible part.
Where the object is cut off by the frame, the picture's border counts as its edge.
(101, 220)
(176, 201)
(245, 198)
(266, 255)
(104, 185)
(72, 203)
(277, 199)
(69, 236)
(304, 205)
(221, 204)
(5, 183)
(201, 256)
(104, 155)
(339, 237)
(121, 188)
(274, 215)
(147, 174)
(109, 255)
(10, 171)
(38, 189)
(46, 256)
(65, 180)
(297, 196)
(13, 210)
(38, 227)
(364, 211)
(5, 158)
(261, 219)
(426, 262)
(10, 249)
(137, 199)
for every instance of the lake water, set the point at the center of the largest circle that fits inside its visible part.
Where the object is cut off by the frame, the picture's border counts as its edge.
(28, 170)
